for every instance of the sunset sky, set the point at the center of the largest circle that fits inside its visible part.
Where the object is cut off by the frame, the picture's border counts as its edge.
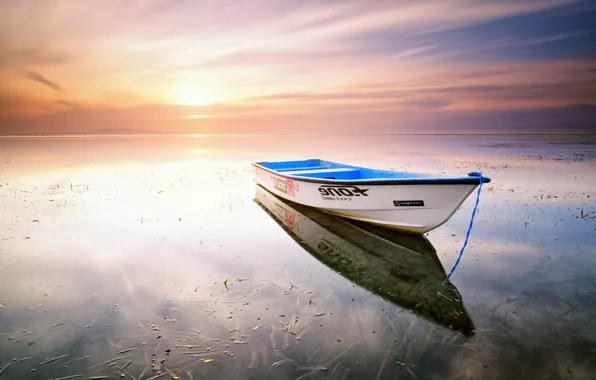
(297, 66)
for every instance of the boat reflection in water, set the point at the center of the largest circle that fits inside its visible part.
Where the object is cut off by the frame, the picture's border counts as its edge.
(401, 268)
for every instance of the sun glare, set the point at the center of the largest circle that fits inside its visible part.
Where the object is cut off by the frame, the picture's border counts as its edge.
(193, 95)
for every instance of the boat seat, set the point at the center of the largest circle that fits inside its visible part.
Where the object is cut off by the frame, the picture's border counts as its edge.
(301, 168)
(323, 172)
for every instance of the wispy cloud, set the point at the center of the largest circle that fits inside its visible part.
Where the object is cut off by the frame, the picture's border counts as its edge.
(517, 41)
(67, 103)
(487, 88)
(33, 56)
(37, 77)
(161, 7)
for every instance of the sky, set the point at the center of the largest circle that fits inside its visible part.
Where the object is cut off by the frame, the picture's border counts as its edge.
(297, 66)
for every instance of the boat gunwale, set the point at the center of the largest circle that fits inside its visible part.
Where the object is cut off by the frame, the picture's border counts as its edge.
(470, 180)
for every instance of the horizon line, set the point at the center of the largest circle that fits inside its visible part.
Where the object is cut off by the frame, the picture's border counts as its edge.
(281, 134)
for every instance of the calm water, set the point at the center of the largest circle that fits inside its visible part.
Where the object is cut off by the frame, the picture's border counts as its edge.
(158, 257)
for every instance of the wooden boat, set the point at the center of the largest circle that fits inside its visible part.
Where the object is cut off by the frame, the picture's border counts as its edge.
(400, 268)
(410, 202)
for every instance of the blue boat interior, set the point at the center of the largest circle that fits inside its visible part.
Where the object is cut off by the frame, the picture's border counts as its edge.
(327, 170)
(316, 168)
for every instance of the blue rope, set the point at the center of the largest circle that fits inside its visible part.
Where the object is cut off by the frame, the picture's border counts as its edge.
(475, 174)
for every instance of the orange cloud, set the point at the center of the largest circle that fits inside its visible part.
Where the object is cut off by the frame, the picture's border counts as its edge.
(36, 77)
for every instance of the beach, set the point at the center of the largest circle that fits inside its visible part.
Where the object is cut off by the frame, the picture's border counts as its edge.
(137, 256)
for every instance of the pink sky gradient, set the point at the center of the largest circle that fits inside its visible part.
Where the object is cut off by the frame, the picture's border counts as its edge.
(290, 66)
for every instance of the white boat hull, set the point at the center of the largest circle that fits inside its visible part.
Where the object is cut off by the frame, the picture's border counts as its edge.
(414, 208)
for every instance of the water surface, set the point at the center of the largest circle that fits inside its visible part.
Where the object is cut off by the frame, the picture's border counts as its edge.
(143, 256)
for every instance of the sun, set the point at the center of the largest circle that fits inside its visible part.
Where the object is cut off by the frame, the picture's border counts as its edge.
(193, 95)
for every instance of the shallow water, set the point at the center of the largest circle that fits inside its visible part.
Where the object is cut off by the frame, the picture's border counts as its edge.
(142, 256)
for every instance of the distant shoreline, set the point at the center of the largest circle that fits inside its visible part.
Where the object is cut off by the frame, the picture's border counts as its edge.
(283, 135)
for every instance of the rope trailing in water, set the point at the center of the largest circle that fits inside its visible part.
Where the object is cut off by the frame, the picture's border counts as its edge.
(461, 252)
